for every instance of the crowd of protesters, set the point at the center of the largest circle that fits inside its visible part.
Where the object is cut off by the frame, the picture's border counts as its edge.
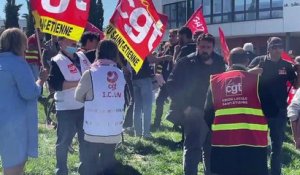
(225, 110)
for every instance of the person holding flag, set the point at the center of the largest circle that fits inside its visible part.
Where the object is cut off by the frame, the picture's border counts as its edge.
(65, 73)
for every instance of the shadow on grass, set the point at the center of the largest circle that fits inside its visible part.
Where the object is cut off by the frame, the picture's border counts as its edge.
(121, 169)
(162, 128)
(167, 143)
(139, 147)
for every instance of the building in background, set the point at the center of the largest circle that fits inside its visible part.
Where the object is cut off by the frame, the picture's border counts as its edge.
(241, 20)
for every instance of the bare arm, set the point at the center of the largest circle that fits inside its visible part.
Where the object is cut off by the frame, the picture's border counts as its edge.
(69, 84)
(156, 60)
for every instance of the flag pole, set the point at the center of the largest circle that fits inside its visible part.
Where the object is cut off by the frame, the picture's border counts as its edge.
(37, 36)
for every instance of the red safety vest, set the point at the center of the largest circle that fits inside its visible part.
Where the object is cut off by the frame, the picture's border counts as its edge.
(239, 119)
(32, 57)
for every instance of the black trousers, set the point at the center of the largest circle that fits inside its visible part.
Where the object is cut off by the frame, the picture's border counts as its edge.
(160, 102)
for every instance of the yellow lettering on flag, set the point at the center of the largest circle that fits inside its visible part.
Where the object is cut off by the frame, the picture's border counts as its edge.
(124, 47)
(58, 28)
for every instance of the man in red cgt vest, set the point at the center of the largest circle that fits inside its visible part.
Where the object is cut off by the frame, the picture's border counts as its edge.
(239, 128)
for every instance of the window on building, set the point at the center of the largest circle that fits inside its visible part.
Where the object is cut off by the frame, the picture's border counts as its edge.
(220, 11)
(277, 9)
(227, 11)
(206, 6)
(217, 11)
(250, 6)
(176, 13)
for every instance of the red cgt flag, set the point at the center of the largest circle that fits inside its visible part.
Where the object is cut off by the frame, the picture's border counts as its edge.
(197, 22)
(286, 57)
(137, 28)
(66, 18)
(224, 46)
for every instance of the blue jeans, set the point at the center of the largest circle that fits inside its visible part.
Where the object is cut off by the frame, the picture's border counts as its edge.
(142, 106)
(277, 127)
(69, 122)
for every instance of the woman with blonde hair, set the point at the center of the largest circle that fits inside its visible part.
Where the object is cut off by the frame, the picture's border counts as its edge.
(18, 103)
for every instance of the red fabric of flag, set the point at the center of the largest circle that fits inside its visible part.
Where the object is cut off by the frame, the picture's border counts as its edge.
(286, 57)
(224, 46)
(91, 28)
(197, 22)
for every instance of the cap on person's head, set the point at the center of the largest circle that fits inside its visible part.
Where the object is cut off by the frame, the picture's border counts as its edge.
(32, 39)
(274, 41)
(248, 47)
(238, 56)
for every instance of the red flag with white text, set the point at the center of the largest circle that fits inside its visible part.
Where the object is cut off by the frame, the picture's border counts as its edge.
(224, 46)
(197, 22)
(66, 18)
(137, 28)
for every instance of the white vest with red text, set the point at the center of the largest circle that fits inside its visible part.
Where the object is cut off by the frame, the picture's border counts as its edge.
(104, 115)
(65, 100)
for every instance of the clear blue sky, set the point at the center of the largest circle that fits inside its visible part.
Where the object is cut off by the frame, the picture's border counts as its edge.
(108, 6)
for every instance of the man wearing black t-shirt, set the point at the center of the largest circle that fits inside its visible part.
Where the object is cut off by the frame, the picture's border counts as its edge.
(275, 73)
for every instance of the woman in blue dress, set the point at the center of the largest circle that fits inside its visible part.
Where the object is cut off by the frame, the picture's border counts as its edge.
(18, 103)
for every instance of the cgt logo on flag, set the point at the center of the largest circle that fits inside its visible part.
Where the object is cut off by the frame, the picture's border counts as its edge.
(64, 18)
(197, 22)
(137, 28)
(233, 86)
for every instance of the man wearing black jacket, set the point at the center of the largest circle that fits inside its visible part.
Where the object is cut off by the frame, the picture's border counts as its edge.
(275, 73)
(187, 86)
(186, 44)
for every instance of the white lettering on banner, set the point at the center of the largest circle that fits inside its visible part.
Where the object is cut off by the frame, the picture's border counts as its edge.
(81, 5)
(198, 23)
(233, 86)
(141, 30)
(62, 6)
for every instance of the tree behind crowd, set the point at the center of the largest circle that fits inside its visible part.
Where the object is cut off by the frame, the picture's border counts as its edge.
(12, 14)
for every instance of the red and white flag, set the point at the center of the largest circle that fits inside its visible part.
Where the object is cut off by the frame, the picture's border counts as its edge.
(137, 28)
(61, 18)
(286, 57)
(197, 22)
(224, 46)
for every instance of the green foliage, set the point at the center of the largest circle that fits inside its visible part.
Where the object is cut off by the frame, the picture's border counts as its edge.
(29, 20)
(96, 13)
(12, 14)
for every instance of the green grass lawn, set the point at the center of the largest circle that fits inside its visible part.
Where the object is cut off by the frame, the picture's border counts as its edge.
(158, 156)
